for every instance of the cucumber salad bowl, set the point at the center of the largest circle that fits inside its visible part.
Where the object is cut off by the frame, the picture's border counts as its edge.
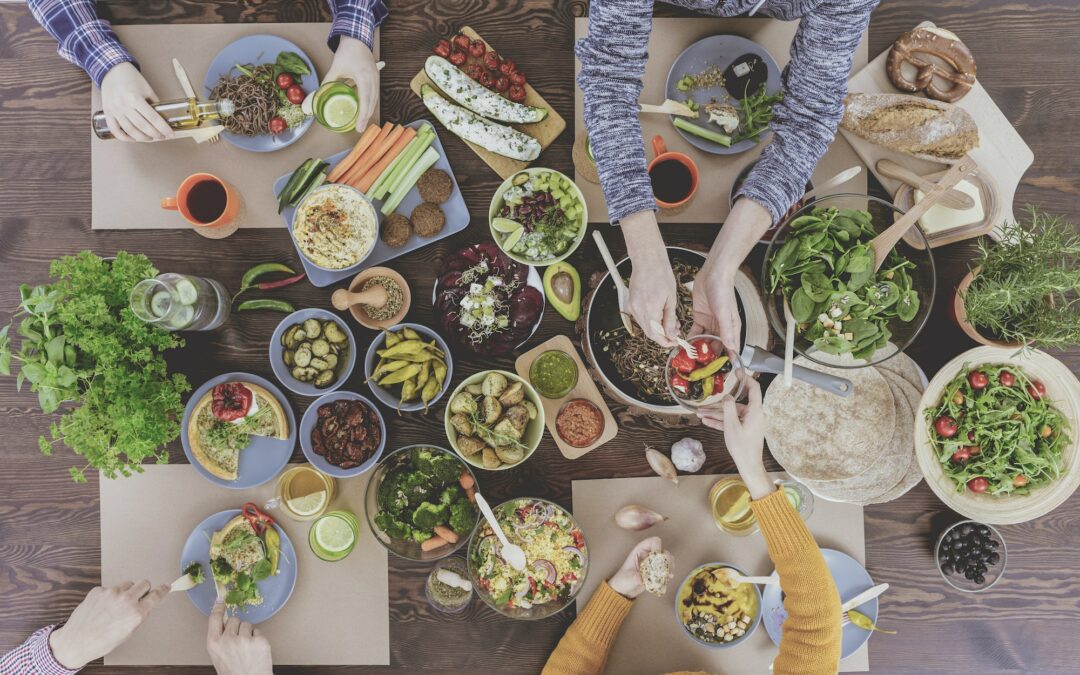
(538, 216)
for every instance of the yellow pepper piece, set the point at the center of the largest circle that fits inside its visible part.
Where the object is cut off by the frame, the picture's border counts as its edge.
(399, 376)
(273, 548)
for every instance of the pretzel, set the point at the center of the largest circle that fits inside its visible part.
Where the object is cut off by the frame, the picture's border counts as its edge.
(914, 46)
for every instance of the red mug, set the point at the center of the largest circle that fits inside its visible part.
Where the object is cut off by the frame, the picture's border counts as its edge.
(660, 155)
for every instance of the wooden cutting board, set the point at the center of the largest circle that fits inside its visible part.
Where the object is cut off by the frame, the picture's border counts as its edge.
(1002, 153)
(544, 131)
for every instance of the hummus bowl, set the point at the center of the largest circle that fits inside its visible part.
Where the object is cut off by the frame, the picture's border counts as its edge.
(335, 227)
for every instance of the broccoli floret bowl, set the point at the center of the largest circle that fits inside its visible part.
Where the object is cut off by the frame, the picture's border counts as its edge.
(420, 503)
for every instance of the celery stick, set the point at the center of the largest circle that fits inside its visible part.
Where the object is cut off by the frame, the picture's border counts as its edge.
(403, 162)
(421, 165)
(702, 132)
(374, 189)
(392, 184)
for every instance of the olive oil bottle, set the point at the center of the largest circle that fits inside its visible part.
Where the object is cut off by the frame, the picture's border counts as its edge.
(185, 113)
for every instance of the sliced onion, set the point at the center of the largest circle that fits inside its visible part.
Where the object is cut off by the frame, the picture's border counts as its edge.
(546, 569)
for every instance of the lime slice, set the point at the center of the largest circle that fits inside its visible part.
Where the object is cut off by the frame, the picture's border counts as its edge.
(738, 510)
(513, 238)
(160, 303)
(505, 225)
(308, 504)
(334, 535)
(339, 110)
(186, 292)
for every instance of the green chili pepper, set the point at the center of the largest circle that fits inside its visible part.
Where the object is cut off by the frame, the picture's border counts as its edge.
(245, 70)
(293, 63)
(710, 369)
(266, 303)
(862, 621)
(261, 270)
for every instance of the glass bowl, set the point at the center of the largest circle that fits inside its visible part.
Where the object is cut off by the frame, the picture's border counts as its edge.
(485, 543)
(734, 379)
(993, 573)
(457, 565)
(407, 548)
(923, 280)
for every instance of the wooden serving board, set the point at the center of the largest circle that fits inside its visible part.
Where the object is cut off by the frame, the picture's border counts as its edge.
(1002, 153)
(544, 131)
(585, 388)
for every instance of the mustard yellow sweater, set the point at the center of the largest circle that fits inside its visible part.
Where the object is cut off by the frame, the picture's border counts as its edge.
(811, 642)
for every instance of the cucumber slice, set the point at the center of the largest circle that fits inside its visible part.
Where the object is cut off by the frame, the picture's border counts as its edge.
(160, 303)
(183, 317)
(186, 292)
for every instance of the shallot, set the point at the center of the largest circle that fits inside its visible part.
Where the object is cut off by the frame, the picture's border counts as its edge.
(634, 517)
(661, 464)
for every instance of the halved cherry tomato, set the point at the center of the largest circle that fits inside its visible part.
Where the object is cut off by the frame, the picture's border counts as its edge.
(679, 384)
(1037, 390)
(507, 66)
(442, 48)
(683, 363)
(458, 57)
(477, 48)
(1006, 378)
(517, 77)
(284, 81)
(1020, 480)
(945, 426)
(705, 351)
(978, 379)
(978, 484)
(502, 84)
(962, 455)
(295, 94)
(277, 125)
(517, 94)
(474, 70)
(462, 41)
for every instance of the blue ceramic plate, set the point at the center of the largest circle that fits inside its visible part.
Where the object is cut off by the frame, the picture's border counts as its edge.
(276, 590)
(307, 423)
(277, 351)
(457, 219)
(264, 458)
(389, 396)
(850, 577)
(720, 51)
(257, 50)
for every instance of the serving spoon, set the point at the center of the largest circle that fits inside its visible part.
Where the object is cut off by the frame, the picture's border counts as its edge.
(953, 198)
(511, 553)
(839, 179)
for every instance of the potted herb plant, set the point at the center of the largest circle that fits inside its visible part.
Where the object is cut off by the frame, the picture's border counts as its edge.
(1025, 290)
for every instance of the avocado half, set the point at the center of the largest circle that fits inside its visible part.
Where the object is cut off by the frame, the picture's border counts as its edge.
(562, 286)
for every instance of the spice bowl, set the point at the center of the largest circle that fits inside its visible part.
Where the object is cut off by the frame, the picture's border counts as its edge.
(341, 299)
(446, 598)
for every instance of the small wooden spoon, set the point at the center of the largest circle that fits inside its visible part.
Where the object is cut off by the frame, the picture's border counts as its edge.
(888, 238)
(352, 298)
(669, 107)
(954, 199)
(343, 298)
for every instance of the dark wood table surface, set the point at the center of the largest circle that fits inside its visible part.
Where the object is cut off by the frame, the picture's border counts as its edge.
(49, 538)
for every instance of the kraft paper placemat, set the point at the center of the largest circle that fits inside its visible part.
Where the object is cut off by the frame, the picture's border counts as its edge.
(128, 180)
(669, 38)
(651, 640)
(145, 521)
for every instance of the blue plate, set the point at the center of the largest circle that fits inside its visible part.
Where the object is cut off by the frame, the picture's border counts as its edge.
(850, 577)
(307, 423)
(457, 219)
(276, 590)
(284, 373)
(260, 461)
(389, 396)
(257, 50)
(720, 51)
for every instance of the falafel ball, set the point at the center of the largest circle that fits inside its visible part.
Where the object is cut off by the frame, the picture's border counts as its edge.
(396, 230)
(435, 186)
(428, 219)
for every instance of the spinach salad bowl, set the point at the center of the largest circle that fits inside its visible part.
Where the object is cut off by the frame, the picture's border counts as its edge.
(820, 261)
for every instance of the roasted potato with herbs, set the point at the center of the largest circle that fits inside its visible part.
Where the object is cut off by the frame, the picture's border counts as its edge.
(310, 354)
(487, 420)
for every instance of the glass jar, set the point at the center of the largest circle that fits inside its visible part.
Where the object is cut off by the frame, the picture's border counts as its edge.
(180, 302)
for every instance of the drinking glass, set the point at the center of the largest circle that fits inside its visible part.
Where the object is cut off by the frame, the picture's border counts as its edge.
(180, 302)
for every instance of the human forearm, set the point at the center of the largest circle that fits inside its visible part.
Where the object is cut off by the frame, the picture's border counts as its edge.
(83, 38)
(356, 19)
(584, 648)
(34, 657)
(744, 227)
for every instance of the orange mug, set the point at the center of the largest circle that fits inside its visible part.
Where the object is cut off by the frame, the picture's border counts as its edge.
(669, 180)
(204, 200)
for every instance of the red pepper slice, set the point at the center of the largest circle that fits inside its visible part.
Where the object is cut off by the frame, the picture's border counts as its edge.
(680, 384)
(258, 520)
(683, 363)
(287, 281)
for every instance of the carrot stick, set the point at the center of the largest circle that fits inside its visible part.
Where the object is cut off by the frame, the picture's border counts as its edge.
(466, 480)
(446, 533)
(348, 160)
(373, 155)
(433, 543)
(374, 172)
(470, 492)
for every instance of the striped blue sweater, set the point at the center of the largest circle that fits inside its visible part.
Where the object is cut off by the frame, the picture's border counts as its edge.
(613, 59)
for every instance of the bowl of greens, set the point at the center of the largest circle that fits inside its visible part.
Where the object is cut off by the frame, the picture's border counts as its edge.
(820, 263)
(419, 502)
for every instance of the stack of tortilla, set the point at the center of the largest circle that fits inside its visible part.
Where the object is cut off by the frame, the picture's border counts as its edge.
(858, 449)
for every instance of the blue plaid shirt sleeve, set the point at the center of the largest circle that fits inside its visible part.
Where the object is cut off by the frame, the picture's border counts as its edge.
(33, 657)
(85, 40)
(356, 19)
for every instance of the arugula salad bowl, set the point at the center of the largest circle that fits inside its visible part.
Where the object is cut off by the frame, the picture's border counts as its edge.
(847, 315)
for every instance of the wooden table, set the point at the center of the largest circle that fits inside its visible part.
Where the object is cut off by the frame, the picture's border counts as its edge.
(49, 546)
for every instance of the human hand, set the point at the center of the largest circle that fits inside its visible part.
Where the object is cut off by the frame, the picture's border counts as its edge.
(236, 647)
(627, 581)
(744, 435)
(716, 311)
(354, 61)
(103, 621)
(653, 294)
(124, 99)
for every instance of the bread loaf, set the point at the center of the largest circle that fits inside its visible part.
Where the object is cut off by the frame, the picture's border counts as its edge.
(921, 127)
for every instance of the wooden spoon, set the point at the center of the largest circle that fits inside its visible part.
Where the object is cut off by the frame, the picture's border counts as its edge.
(669, 107)
(954, 199)
(887, 239)
(839, 179)
(343, 298)
(621, 292)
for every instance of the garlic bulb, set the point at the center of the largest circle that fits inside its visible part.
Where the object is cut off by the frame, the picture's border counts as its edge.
(634, 517)
(688, 455)
(660, 463)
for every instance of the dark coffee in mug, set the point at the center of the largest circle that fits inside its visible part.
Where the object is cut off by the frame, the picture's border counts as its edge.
(671, 181)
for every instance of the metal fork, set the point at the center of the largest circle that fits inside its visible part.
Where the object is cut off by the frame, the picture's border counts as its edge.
(690, 351)
(860, 599)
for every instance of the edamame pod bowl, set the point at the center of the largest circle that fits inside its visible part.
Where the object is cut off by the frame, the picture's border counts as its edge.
(389, 397)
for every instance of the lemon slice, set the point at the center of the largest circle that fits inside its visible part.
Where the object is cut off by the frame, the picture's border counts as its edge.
(334, 535)
(738, 510)
(513, 238)
(505, 225)
(308, 504)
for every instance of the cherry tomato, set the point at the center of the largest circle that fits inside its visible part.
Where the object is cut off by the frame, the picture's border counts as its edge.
(683, 363)
(962, 455)
(474, 70)
(462, 41)
(978, 379)
(502, 83)
(284, 81)
(679, 384)
(978, 484)
(477, 48)
(974, 450)
(295, 94)
(517, 77)
(517, 94)
(958, 397)
(1020, 480)
(945, 426)
(1006, 378)
(507, 66)
(458, 57)
(442, 48)
(492, 60)
(1037, 390)
(487, 79)
(971, 436)
(277, 125)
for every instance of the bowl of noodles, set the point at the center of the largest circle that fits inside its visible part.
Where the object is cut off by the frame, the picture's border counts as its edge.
(244, 72)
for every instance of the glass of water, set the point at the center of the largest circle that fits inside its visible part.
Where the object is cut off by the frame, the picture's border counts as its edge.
(180, 302)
